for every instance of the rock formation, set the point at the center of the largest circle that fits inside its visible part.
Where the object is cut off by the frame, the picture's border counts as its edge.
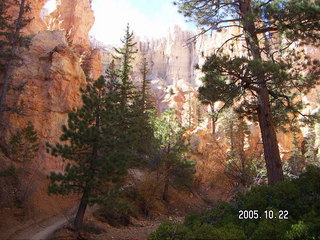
(75, 17)
(52, 75)
(51, 70)
(46, 84)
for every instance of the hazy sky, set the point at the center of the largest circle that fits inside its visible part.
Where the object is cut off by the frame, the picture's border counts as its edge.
(150, 18)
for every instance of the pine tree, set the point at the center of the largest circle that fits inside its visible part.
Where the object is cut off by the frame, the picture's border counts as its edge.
(264, 73)
(144, 106)
(173, 159)
(296, 163)
(126, 54)
(145, 90)
(96, 146)
(310, 153)
(24, 144)
(242, 169)
(135, 103)
(10, 40)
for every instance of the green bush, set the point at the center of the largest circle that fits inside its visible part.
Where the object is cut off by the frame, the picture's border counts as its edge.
(300, 197)
(90, 227)
(9, 172)
(168, 230)
(24, 144)
(116, 213)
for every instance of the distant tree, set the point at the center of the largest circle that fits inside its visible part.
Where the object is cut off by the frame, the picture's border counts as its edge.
(173, 148)
(263, 77)
(294, 166)
(24, 144)
(145, 90)
(310, 145)
(22, 149)
(144, 106)
(241, 169)
(126, 54)
(96, 145)
(137, 102)
(10, 41)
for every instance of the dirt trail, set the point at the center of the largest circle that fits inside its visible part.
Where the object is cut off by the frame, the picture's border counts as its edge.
(49, 230)
(43, 229)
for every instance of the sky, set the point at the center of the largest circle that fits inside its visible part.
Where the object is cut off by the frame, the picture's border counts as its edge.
(147, 18)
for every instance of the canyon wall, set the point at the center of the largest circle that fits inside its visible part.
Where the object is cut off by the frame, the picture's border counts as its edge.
(45, 87)
(51, 70)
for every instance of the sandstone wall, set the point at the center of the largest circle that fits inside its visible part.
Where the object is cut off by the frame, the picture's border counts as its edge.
(51, 70)
(52, 75)
(75, 17)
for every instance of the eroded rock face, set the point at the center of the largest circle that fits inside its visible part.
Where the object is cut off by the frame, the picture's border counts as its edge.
(52, 75)
(93, 64)
(75, 17)
(49, 76)
(37, 23)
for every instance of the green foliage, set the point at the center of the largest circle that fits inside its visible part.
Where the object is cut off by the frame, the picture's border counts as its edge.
(126, 54)
(300, 197)
(169, 231)
(234, 79)
(24, 144)
(241, 169)
(10, 32)
(98, 142)
(173, 148)
(266, 78)
(310, 146)
(11, 171)
(115, 212)
(92, 228)
(296, 19)
(11, 40)
(296, 163)
(298, 231)
(136, 101)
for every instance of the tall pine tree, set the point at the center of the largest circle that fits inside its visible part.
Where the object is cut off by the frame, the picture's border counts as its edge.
(96, 145)
(263, 75)
(126, 54)
(135, 102)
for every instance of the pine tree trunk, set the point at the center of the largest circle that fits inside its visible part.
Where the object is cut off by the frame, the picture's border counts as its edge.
(6, 80)
(78, 221)
(269, 139)
(266, 123)
(166, 189)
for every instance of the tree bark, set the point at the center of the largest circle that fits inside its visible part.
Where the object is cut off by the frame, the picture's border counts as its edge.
(269, 138)
(166, 189)
(266, 123)
(78, 221)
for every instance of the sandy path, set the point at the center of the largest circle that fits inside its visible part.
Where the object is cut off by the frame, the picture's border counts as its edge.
(49, 230)
(43, 229)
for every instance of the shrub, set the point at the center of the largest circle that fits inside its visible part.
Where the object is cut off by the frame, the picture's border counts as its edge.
(90, 227)
(168, 230)
(300, 197)
(116, 213)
